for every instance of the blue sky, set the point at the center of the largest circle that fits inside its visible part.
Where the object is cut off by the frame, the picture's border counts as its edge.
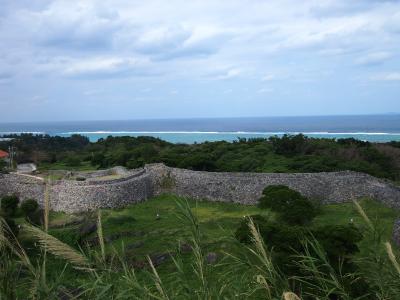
(115, 59)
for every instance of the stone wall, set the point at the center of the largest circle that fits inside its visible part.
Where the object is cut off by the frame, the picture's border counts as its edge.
(76, 196)
(24, 186)
(246, 188)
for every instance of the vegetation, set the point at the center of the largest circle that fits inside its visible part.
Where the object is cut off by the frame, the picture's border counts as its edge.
(29, 206)
(133, 254)
(286, 154)
(9, 205)
(291, 207)
(3, 165)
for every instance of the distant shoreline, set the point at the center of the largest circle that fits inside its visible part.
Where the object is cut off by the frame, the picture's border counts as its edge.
(374, 128)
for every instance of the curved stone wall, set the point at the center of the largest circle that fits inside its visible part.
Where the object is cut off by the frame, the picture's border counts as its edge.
(25, 187)
(77, 196)
(246, 188)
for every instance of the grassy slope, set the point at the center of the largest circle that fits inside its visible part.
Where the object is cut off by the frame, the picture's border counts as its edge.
(218, 222)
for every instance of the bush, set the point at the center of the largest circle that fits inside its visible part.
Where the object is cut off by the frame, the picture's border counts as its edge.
(281, 237)
(9, 205)
(289, 145)
(97, 159)
(73, 161)
(29, 206)
(292, 207)
(339, 241)
(36, 217)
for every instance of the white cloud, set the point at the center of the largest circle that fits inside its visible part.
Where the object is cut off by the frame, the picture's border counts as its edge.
(373, 58)
(106, 67)
(268, 77)
(195, 45)
(392, 76)
(265, 90)
(231, 73)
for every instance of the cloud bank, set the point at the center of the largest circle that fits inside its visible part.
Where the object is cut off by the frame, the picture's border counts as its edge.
(274, 58)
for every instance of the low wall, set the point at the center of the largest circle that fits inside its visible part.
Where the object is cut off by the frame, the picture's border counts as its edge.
(246, 188)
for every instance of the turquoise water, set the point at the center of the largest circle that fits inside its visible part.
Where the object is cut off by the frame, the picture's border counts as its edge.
(374, 128)
(199, 137)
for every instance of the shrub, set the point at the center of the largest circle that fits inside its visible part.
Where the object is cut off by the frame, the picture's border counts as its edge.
(9, 205)
(289, 145)
(281, 237)
(36, 217)
(29, 206)
(339, 241)
(97, 159)
(73, 161)
(292, 207)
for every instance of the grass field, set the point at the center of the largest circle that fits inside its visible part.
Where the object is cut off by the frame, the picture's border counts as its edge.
(155, 228)
(142, 231)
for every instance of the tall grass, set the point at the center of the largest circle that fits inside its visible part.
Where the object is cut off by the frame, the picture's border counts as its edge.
(246, 272)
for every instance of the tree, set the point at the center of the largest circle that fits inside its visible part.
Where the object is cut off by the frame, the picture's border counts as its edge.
(9, 205)
(291, 207)
(289, 145)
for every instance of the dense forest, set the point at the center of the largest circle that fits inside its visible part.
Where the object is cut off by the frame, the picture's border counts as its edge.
(290, 153)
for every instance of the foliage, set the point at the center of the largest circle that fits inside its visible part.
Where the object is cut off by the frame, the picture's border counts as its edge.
(73, 161)
(3, 165)
(292, 207)
(28, 207)
(9, 205)
(43, 267)
(36, 217)
(289, 144)
(290, 153)
(339, 241)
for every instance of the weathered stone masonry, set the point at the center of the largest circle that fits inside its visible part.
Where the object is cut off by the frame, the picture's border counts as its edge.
(154, 179)
(76, 196)
(246, 188)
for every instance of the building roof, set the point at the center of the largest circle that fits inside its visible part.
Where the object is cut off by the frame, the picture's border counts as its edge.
(3, 154)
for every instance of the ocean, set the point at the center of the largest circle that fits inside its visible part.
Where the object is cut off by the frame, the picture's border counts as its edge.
(374, 128)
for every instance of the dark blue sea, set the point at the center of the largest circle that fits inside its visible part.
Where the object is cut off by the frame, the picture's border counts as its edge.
(374, 128)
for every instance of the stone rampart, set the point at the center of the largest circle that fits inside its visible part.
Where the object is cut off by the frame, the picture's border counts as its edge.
(24, 186)
(77, 196)
(246, 188)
